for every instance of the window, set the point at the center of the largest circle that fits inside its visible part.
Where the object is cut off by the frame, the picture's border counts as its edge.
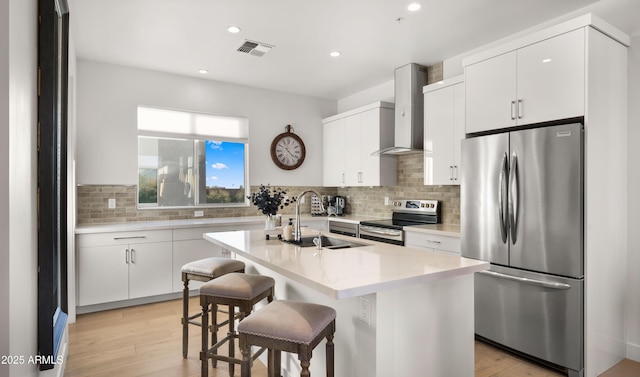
(191, 159)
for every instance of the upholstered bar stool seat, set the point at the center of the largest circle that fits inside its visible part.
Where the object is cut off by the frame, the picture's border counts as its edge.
(202, 270)
(290, 326)
(236, 290)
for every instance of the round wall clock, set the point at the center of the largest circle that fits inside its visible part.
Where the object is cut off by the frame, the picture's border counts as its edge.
(287, 150)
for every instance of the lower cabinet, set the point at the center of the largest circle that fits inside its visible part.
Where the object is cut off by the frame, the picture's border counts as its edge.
(123, 265)
(127, 265)
(432, 242)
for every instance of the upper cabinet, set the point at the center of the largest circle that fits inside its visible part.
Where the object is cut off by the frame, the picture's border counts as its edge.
(540, 82)
(443, 131)
(349, 139)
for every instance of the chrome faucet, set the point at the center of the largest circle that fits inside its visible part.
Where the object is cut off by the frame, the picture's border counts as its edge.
(297, 233)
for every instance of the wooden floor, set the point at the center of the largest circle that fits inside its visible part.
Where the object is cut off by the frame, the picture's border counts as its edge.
(146, 340)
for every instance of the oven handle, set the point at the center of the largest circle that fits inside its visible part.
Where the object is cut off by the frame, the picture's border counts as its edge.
(382, 231)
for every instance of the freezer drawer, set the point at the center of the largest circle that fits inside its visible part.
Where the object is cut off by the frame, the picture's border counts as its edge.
(537, 314)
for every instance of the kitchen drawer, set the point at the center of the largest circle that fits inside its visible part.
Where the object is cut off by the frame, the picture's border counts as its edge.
(124, 238)
(432, 241)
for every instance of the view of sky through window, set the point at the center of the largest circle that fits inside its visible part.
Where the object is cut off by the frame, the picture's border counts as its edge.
(225, 164)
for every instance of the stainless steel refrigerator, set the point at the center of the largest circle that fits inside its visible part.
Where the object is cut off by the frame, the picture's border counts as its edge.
(522, 210)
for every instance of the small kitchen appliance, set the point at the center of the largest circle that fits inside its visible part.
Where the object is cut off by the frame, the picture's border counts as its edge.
(340, 205)
(404, 213)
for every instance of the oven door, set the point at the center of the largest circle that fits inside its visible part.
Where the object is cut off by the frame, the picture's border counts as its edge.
(392, 236)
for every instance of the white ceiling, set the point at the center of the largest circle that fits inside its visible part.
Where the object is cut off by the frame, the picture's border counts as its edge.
(183, 36)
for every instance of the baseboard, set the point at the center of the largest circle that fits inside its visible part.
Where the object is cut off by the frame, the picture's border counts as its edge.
(633, 352)
(132, 302)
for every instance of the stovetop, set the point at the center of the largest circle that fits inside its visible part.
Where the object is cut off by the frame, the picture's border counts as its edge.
(409, 212)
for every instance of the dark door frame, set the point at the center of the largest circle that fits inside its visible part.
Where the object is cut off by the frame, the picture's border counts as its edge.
(53, 43)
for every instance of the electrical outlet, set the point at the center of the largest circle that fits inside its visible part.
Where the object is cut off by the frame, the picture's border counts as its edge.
(386, 200)
(365, 310)
(112, 203)
(302, 200)
(198, 213)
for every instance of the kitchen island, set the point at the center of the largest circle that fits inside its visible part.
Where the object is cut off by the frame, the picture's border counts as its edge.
(401, 311)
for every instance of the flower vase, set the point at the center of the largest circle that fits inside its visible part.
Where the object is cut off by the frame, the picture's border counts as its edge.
(270, 223)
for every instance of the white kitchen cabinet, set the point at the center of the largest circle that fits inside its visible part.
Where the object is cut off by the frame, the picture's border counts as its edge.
(333, 147)
(443, 131)
(543, 81)
(350, 138)
(123, 265)
(432, 242)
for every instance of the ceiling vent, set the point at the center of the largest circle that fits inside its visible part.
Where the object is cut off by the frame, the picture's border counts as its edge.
(255, 48)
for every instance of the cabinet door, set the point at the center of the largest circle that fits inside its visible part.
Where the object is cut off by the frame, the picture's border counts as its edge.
(150, 269)
(103, 274)
(458, 130)
(438, 136)
(491, 93)
(370, 129)
(333, 153)
(551, 79)
(352, 153)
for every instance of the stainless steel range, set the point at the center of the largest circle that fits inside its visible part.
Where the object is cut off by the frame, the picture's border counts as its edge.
(405, 213)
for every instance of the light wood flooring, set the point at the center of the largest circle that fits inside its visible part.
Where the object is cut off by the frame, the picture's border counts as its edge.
(146, 340)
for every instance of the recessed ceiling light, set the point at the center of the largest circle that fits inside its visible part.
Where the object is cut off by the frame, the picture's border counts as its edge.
(233, 29)
(414, 7)
(335, 54)
(203, 71)
(547, 60)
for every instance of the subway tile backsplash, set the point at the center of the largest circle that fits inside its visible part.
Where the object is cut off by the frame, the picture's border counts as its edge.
(92, 203)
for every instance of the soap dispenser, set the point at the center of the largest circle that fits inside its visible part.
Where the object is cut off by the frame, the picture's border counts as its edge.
(287, 232)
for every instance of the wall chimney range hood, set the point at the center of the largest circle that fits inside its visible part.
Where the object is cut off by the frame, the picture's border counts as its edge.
(409, 111)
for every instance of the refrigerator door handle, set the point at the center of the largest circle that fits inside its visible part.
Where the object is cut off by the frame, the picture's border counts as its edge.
(538, 283)
(513, 197)
(501, 195)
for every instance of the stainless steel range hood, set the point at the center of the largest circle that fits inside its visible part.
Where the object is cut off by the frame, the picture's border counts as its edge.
(409, 111)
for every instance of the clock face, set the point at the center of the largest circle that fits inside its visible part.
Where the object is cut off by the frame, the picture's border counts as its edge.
(287, 151)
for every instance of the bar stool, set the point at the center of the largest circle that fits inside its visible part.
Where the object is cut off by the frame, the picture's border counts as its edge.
(234, 290)
(202, 270)
(290, 326)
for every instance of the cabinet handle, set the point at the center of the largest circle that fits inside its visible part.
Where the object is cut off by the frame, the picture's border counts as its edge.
(128, 237)
(455, 172)
(450, 172)
(133, 256)
(342, 177)
(432, 241)
(520, 109)
(126, 256)
(513, 110)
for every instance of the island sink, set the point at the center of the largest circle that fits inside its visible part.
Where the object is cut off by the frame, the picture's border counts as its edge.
(327, 242)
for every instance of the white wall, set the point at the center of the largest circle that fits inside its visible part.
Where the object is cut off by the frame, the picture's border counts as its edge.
(383, 92)
(18, 101)
(633, 313)
(108, 95)
(4, 186)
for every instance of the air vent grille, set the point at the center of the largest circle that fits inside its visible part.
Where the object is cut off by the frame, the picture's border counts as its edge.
(255, 48)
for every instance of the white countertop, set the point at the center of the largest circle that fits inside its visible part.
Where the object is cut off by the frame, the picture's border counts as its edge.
(353, 219)
(344, 273)
(176, 224)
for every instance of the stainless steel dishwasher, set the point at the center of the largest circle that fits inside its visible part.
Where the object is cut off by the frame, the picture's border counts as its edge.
(344, 228)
